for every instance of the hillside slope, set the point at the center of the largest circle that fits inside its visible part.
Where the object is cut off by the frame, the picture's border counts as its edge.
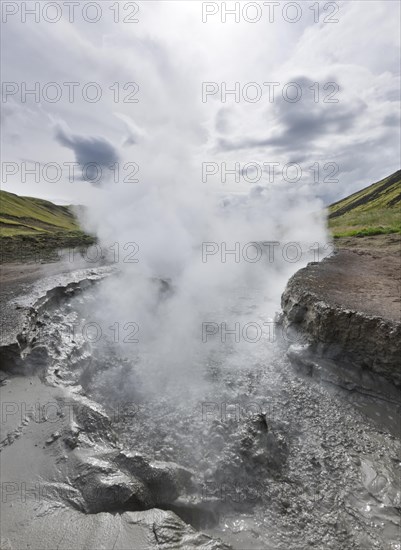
(27, 215)
(31, 226)
(374, 210)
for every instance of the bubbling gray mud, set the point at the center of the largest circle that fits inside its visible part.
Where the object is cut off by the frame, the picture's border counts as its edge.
(277, 460)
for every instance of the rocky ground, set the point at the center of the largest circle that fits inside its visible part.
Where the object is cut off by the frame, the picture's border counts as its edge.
(349, 306)
(261, 455)
(66, 480)
(364, 276)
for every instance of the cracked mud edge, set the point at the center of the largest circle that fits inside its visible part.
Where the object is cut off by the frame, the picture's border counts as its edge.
(85, 486)
(348, 348)
(43, 295)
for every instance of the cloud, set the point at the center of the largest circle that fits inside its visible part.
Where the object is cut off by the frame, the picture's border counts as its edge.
(298, 125)
(92, 153)
(223, 121)
(134, 133)
(169, 67)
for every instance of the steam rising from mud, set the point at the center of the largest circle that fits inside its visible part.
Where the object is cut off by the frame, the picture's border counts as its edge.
(170, 213)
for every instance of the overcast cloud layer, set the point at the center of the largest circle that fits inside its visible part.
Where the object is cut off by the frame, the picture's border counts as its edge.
(168, 54)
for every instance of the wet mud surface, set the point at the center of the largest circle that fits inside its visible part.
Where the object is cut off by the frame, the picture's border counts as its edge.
(365, 276)
(240, 444)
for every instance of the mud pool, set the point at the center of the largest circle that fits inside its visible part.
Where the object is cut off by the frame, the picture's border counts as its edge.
(272, 458)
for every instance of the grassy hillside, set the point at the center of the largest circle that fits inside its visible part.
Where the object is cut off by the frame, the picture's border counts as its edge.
(26, 215)
(374, 210)
(34, 225)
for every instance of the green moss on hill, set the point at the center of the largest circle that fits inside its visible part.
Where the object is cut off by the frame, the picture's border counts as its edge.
(375, 210)
(31, 227)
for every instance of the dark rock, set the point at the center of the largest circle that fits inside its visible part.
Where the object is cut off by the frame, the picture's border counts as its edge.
(166, 480)
(114, 491)
(264, 445)
(335, 332)
(105, 488)
(53, 438)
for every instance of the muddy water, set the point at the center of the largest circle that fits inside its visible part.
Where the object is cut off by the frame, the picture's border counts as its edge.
(279, 459)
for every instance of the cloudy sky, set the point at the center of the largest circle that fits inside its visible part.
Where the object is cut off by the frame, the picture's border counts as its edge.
(121, 87)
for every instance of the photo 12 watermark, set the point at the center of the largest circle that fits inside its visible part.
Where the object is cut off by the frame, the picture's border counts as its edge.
(250, 332)
(270, 92)
(228, 411)
(53, 12)
(74, 251)
(270, 12)
(265, 251)
(268, 172)
(71, 172)
(115, 253)
(231, 491)
(126, 332)
(69, 92)
(22, 412)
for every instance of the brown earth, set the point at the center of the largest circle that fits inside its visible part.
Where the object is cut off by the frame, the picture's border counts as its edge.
(365, 275)
(348, 308)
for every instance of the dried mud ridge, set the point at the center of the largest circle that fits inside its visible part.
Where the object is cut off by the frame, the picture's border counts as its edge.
(94, 480)
(94, 488)
(346, 310)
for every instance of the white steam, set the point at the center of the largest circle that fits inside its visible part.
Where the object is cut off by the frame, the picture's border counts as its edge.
(170, 213)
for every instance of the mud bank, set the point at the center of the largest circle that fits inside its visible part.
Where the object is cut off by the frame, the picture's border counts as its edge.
(256, 456)
(346, 310)
(67, 482)
(25, 293)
